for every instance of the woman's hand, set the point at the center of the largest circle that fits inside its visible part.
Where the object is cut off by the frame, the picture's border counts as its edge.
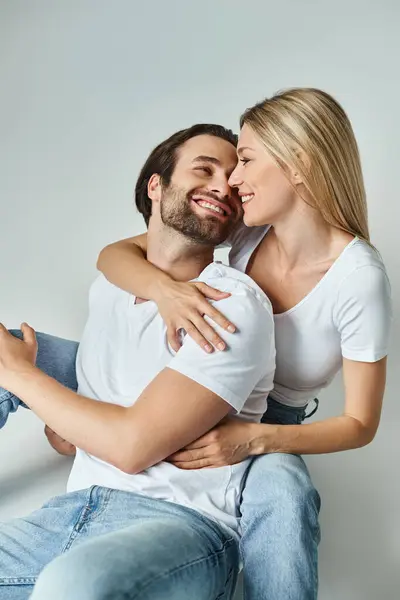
(183, 305)
(230, 442)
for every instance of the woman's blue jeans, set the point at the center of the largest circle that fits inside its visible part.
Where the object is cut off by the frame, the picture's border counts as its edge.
(280, 505)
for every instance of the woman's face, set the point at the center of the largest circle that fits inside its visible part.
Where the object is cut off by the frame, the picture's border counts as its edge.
(266, 191)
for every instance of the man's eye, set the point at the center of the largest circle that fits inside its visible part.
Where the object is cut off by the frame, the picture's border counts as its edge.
(204, 169)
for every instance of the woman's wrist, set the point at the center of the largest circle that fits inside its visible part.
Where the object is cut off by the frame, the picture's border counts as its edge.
(260, 438)
(161, 287)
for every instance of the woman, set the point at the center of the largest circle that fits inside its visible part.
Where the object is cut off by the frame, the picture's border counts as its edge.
(306, 244)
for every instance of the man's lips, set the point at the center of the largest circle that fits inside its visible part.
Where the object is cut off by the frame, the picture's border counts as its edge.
(225, 207)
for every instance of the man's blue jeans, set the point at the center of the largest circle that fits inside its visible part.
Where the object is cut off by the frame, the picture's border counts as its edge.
(279, 508)
(103, 544)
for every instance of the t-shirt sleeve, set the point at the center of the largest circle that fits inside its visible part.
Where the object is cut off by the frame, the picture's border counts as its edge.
(242, 242)
(234, 373)
(364, 314)
(241, 234)
(238, 233)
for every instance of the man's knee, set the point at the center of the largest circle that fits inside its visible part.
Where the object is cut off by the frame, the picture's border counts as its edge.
(65, 578)
(95, 570)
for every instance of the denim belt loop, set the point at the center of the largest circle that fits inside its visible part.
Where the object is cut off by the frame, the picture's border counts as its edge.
(314, 410)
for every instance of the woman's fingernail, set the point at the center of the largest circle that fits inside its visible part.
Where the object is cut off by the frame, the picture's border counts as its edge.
(208, 348)
(221, 346)
(231, 328)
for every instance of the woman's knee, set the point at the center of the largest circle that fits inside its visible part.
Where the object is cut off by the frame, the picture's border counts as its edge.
(279, 482)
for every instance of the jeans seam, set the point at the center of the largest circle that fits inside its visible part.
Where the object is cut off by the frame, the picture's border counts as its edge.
(17, 581)
(222, 595)
(72, 537)
(83, 517)
(181, 567)
(79, 523)
(211, 523)
(103, 506)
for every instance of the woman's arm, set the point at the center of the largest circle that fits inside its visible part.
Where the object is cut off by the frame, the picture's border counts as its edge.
(356, 427)
(235, 440)
(182, 305)
(124, 264)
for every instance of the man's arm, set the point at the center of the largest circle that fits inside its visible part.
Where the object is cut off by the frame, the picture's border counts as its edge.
(173, 411)
(182, 403)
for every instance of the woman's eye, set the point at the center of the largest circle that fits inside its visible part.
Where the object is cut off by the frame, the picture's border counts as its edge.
(244, 161)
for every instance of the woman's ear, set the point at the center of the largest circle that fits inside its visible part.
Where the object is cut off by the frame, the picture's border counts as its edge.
(295, 177)
(154, 188)
(296, 172)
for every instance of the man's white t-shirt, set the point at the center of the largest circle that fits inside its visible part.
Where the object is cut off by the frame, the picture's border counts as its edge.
(124, 347)
(348, 315)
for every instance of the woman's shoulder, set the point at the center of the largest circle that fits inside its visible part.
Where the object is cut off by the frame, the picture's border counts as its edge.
(362, 279)
(362, 310)
(360, 254)
(360, 262)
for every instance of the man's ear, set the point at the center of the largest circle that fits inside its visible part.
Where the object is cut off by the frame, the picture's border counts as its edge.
(154, 188)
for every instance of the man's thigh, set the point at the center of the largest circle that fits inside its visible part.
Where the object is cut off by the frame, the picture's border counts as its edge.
(165, 537)
(28, 544)
(158, 557)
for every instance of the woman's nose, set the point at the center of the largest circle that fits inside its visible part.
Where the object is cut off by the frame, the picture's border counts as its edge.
(234, 179)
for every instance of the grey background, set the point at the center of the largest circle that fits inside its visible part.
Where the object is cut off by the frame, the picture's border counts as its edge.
(87, 89)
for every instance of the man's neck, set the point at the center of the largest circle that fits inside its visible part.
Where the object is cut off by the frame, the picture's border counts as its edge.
(180, 257)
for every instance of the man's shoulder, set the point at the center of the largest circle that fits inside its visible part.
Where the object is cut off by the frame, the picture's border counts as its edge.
(238, 284)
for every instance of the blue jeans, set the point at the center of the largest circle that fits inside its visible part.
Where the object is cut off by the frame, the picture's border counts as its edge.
(104, 544)
(280, 505)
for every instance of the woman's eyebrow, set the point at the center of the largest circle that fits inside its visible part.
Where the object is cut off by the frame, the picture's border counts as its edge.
(241, 149)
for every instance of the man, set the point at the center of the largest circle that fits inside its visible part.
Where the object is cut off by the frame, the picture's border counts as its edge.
(132, 524)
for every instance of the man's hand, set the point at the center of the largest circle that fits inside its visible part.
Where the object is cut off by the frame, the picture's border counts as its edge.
(16, 356)
(58, 443)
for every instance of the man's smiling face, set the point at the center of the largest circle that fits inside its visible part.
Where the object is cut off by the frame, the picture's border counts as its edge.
(198, 202)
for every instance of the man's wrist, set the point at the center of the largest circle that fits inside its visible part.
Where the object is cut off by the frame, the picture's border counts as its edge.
(17, 380)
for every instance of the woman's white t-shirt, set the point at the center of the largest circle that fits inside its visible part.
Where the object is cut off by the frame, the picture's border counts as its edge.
(347, 314)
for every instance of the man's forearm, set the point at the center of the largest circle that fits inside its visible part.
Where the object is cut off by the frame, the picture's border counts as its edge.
(99, 428)
(330, 435)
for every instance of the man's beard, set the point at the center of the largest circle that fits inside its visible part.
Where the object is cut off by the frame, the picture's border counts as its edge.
(176, 212)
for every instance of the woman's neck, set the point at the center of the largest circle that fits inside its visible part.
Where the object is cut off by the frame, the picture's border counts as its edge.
(305, 238)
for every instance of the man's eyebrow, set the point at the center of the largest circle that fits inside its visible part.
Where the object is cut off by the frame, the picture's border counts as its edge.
(210, 159)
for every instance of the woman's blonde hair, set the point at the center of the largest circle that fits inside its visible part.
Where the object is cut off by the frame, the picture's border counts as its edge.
(308, 130)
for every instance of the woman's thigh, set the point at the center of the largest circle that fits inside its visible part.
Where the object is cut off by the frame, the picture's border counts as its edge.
(280, 530)
(277, 479)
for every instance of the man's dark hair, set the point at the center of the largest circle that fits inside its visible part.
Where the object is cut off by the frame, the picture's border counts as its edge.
(162, 160)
